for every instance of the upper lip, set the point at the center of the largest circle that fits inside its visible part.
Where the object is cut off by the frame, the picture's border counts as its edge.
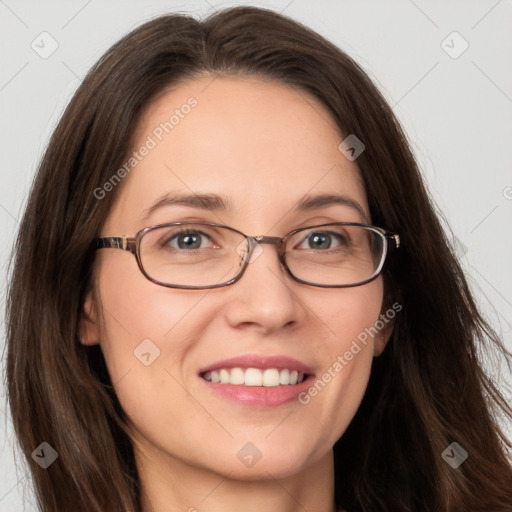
(259, 361)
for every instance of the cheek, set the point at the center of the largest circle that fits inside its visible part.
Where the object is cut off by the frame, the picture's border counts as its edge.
(146, 326)
(149, 330)
(338, 390)
(134, 307)
(351, 315)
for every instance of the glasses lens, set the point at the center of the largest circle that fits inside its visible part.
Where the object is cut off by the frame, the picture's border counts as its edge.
(192, 255)
(336, 255)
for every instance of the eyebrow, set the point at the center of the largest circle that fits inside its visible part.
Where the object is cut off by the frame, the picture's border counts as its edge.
(216, 202)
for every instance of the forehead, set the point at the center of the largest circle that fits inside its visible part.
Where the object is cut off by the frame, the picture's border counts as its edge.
(263, 144)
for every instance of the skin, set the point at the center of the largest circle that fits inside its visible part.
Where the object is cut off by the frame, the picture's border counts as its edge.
(250, 140)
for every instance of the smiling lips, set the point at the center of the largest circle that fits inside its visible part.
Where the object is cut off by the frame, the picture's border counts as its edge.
(270, 377)
(257, 380)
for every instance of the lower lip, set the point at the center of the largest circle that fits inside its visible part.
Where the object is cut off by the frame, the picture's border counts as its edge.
(259, 396)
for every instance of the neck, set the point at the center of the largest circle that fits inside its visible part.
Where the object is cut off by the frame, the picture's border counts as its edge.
(171, 484)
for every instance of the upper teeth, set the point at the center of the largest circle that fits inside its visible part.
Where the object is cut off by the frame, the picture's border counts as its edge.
(254, 376)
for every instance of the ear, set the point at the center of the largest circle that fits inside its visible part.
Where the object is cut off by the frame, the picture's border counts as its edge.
(89, 327)
(381, 339)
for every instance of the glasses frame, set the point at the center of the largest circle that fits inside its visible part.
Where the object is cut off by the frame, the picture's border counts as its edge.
(132, 245)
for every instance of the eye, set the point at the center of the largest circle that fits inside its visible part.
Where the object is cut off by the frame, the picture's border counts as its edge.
(185, 240)
(324, 240)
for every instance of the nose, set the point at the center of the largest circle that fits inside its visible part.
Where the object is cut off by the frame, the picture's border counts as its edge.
(265, 298)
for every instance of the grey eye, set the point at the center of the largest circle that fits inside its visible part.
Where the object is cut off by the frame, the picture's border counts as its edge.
(187, 240)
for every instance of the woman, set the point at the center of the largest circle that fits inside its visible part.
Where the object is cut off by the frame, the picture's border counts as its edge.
(183, 362)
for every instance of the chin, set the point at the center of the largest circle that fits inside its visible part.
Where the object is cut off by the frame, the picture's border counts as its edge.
(269, 466)
(261, 459)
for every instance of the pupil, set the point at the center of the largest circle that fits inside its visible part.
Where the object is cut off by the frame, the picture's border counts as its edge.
(320, 241)
(188, 241)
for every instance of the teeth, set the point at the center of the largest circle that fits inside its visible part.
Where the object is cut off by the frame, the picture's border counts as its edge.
(270, 377)
(237, 376)
(253, 377)
(224, 377)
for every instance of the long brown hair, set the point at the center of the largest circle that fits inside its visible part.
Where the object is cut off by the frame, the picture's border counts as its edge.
(426, 391)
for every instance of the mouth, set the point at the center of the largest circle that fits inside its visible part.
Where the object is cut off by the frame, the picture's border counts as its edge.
(265, 381)
(269, 378)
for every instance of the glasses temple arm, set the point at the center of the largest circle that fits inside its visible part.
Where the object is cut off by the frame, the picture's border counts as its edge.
(116, 242)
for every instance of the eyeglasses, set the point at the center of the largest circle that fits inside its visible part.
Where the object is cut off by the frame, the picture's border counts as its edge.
(200, 255)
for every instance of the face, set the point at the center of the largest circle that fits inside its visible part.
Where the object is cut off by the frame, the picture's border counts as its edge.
(263, 147)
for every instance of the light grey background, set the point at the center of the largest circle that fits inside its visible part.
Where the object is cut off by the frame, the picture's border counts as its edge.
(457, 113)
